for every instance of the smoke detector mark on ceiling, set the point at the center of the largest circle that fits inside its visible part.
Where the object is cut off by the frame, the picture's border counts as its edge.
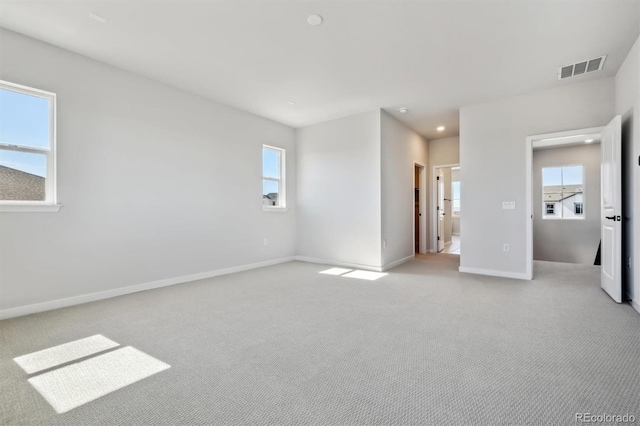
(98, 18)
(581, 67)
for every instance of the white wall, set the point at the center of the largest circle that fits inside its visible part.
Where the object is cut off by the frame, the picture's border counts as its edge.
(444, 151)
(156, 183)
(572, 240)
(627, 87)
(492, 160)
(339, 214)
(401, 148)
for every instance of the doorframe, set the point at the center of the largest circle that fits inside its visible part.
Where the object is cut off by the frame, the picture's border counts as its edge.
(543, 140)
(433, 217)
(422, 207)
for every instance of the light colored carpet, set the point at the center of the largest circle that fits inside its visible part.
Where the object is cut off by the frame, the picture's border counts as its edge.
(286, 345)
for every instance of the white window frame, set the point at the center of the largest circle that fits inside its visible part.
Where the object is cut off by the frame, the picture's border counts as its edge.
(50, 203)
(282, 194)
(575, 207)
(547, 216)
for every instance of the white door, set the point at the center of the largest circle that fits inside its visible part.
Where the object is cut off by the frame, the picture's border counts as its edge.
(440, 210)
(611, 210)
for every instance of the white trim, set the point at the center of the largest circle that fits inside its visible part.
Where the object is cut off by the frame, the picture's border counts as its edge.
(273, 209)
(338, 263)
(29, 208)
(433, 216)
(528, 209)
(51, 186)
(635, 305)
(281, 179)
(107, 294)
(397, 263)
(495, 273)
(569, 138)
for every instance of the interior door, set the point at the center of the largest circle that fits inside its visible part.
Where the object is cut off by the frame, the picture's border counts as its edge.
(611, 210)
(416, 209)
(440, 208)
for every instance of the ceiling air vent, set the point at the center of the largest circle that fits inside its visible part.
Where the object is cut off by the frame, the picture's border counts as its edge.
(581, 67)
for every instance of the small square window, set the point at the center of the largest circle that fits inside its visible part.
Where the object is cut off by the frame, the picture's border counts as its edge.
(550, 208)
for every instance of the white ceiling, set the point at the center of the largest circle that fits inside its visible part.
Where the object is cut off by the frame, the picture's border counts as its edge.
(430, 56)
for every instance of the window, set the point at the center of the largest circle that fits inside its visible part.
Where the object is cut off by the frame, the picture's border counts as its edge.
(563, 192)
(27, 149)
(273, 179)
(455, 190)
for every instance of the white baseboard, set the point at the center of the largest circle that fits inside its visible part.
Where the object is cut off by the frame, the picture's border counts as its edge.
(635, 305)
(398, 262)
(92, 297)
(494, 273)
(337, 263)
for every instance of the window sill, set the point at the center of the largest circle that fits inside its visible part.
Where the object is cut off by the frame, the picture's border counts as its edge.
(29, 208)
(273, 209)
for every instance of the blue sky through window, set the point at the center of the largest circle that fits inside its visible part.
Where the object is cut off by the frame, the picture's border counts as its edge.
(270, 168)
(270, 163)
(24, 120)
(558, 176)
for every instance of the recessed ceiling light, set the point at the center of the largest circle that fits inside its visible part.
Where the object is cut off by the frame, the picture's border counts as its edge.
(440, 128)
(291, 103)
(315, 20)
(403, 110)
(98, 18)
(588, 141)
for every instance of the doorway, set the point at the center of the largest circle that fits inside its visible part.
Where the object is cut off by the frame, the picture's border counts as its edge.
(419, 206)
(610, 200)
(446, 211)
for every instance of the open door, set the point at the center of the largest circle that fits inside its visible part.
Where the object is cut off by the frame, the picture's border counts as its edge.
(611, 210)
(440, 208)
(416, 209)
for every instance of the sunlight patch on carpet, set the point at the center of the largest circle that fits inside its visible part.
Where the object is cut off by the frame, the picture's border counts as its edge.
(335, 271)
(365, 275)
(61, 354)
(74, 385)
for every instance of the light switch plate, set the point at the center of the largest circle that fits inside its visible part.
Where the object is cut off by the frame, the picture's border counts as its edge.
(508, 205)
